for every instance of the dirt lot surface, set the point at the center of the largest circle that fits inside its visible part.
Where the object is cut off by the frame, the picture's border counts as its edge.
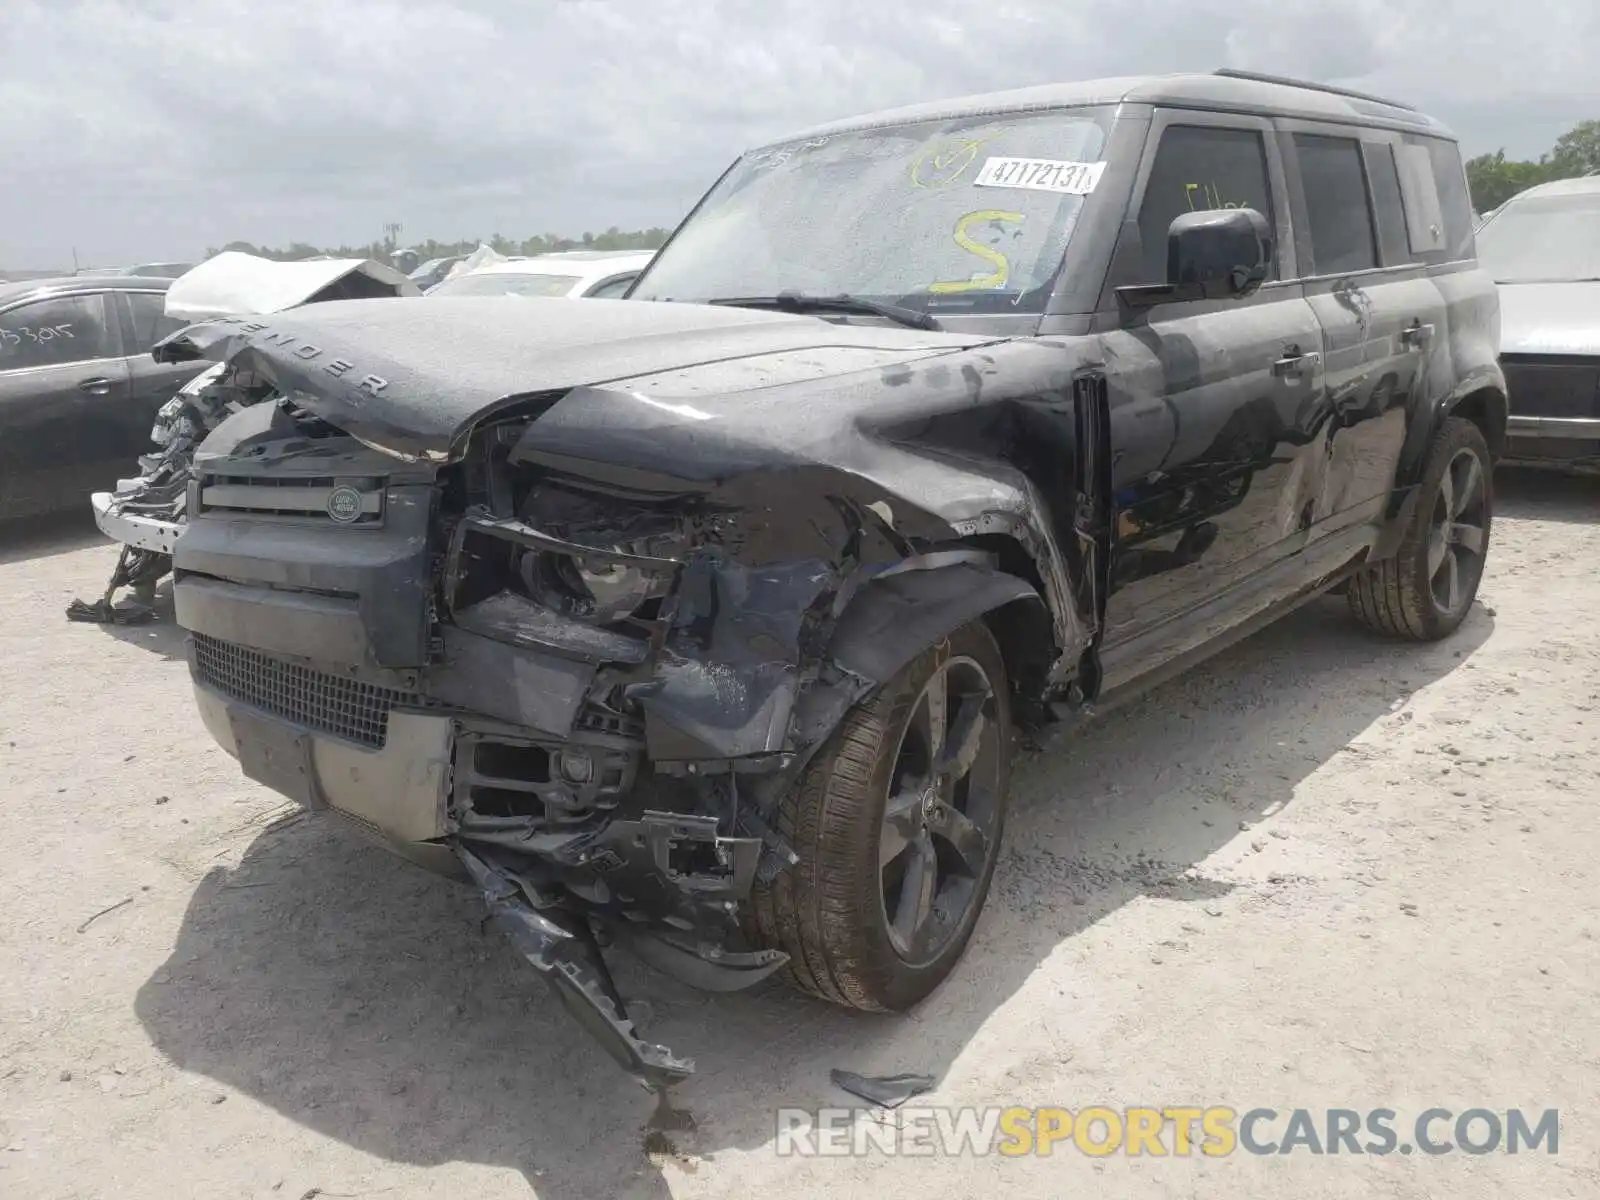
(1323, 870)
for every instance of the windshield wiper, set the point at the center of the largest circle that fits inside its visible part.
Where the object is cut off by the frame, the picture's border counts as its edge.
(800, 302)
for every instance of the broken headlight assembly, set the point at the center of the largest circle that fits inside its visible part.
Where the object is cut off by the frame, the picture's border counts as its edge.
(570, 557)
(592, 587)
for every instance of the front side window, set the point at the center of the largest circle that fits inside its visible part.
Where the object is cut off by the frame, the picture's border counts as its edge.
(948, 217)
(1543, 239)
(1342, 237)
(62, 329)
(506, 283)
(150, 320)
(1198, 167)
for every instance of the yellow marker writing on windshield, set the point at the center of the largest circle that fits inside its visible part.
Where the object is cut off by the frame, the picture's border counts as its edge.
(964, 239)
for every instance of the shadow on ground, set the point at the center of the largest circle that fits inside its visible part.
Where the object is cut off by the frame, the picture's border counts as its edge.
(162, 636)
(1531, 494)
(358, 997)
(46, 537)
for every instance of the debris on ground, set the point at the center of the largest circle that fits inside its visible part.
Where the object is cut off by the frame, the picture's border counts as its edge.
(889, 1091)
(93, 917)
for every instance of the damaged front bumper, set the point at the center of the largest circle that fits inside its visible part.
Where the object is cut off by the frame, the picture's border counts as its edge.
(143, 531)
(503, 760)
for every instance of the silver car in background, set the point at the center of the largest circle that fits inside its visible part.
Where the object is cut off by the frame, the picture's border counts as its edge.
(1543, 249)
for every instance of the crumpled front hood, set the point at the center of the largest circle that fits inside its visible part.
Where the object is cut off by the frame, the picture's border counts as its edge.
(1550, 318)
(416, 378)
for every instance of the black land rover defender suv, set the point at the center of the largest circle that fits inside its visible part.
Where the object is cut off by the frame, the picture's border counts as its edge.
(701, 622)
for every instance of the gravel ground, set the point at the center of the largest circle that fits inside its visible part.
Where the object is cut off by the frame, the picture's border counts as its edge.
(1323, 870)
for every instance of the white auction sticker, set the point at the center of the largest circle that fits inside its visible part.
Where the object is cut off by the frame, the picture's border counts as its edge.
(1041, 175)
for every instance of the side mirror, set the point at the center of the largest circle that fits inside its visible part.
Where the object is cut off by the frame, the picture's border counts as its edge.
(1218, 254)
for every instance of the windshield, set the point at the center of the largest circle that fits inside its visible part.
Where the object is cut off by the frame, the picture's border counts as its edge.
(1543, 239)
(947, 217)
(506, 283)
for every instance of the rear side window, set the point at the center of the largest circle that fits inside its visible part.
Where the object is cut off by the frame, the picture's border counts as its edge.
(1342, 237)
(1387, 206)
(63, 329)
(150, 320)
(1198, 168)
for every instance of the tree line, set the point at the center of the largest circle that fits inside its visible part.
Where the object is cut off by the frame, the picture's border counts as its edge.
(1494, 178)
(383, 248)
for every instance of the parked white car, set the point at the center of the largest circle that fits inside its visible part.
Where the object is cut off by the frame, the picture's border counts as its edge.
(593, 274)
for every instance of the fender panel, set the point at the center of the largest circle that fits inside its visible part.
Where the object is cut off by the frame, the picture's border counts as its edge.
(891, 621)
(1488, 381)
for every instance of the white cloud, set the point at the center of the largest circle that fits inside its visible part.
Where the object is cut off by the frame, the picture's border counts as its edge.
(157, 128)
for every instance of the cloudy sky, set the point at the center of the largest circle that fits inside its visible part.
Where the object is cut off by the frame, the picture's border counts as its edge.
(144, 129)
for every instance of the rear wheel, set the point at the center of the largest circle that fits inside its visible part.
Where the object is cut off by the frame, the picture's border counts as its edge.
(897, 824)
(1426, 590)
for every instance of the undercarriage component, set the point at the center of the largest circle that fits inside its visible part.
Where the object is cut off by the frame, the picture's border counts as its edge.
(136, 568)
(561, 947)
(708, 966)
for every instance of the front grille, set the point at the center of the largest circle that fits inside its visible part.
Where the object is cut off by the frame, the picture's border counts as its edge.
(296, 498)
(346, 708)
(1552, 386)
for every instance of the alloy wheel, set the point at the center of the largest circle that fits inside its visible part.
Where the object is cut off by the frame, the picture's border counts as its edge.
(938, 834)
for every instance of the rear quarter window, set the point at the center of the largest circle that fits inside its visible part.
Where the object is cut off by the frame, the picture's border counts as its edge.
(1433, 183)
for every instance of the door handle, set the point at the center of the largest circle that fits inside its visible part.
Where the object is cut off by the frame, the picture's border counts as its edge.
(97, 385)
(1295, 363)
(1416, 336)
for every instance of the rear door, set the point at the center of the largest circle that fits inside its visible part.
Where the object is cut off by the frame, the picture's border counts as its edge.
(61, 374)
(1209, 406)
(151, 384)
(1382, 316)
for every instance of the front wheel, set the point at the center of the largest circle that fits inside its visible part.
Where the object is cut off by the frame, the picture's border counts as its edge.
(1425, 591)
(897, 824)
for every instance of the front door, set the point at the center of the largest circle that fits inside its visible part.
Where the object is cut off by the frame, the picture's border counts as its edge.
(1212, 407)
(60, 377)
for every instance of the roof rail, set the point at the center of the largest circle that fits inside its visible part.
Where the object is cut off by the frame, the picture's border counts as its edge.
(1255, 77)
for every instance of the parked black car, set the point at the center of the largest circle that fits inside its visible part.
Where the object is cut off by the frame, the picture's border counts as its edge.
(78, 388)
(704, 626)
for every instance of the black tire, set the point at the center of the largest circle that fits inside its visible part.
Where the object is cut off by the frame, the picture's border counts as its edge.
(1409, 595)
(829, 911)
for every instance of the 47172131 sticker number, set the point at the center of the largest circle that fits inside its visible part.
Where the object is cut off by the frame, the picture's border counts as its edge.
(1041, 175)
